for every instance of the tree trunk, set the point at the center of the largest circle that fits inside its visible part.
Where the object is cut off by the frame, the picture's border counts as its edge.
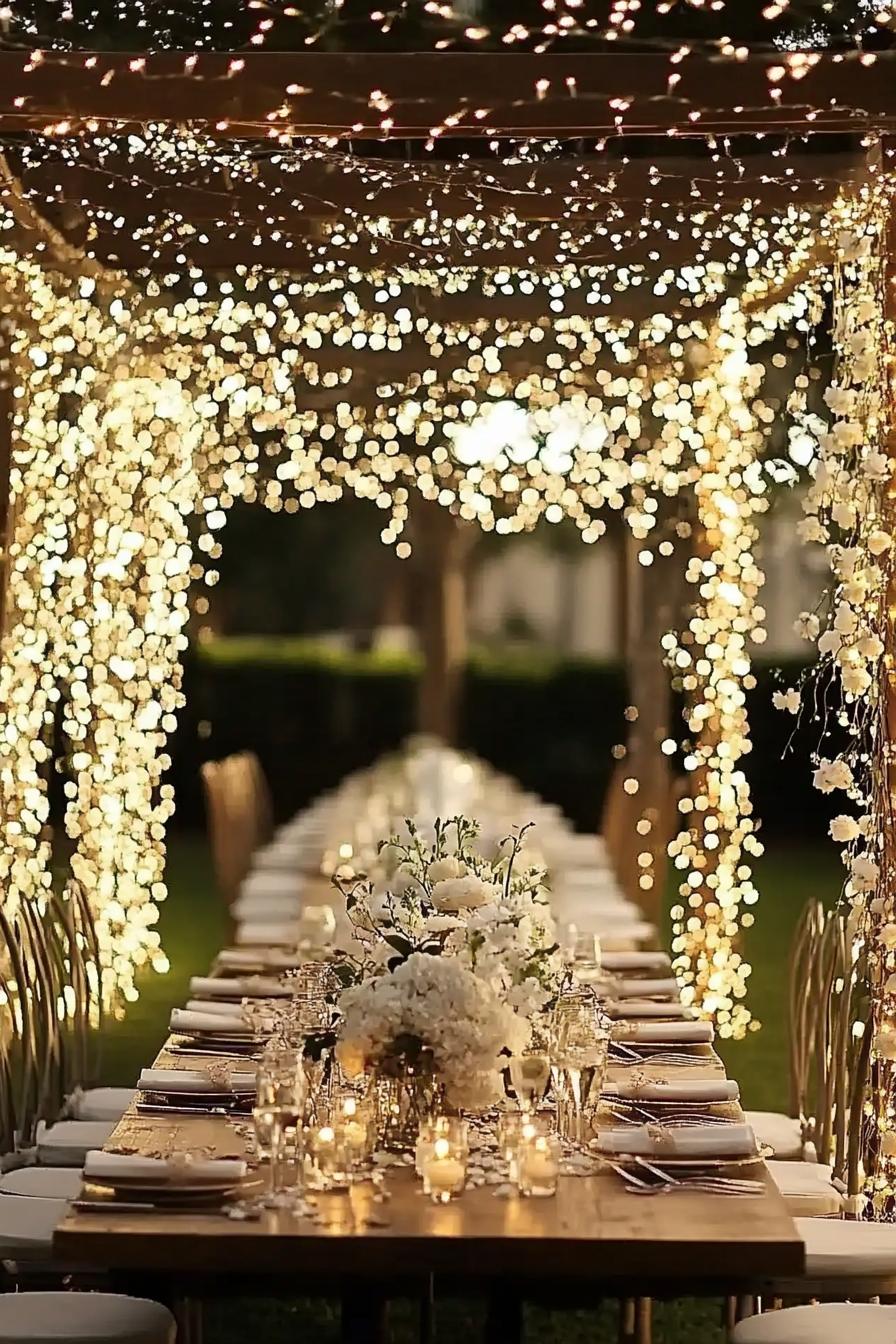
(441, 545)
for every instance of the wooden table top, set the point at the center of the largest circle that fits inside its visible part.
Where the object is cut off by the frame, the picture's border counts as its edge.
(593, 1231)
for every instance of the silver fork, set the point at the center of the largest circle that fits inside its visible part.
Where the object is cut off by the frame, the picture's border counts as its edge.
(739, 1184)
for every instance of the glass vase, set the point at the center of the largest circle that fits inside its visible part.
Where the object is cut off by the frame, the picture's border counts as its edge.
(405, 1095)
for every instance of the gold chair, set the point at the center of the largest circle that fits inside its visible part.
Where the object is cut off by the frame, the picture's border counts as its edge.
(264, 803)
(232, 821)
(810, 977)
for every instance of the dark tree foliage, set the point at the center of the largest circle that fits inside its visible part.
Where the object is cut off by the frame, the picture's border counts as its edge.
(327, 25)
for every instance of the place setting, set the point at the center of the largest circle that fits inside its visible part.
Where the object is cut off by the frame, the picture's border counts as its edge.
(216, 1090)
(182, 1183)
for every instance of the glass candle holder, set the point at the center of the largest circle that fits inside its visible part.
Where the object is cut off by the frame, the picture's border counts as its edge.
(353, 1129)
(449, 1127)
(538, 1165)
(508, 1134)
(330, 1165)
(444, 1171)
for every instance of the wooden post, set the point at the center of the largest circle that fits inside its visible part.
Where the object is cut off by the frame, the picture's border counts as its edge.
(878, 1166)
(646, 824)
(6, 511)
(441, 544)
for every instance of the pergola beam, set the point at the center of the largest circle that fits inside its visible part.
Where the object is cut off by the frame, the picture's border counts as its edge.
(388, 95)
(572, 188)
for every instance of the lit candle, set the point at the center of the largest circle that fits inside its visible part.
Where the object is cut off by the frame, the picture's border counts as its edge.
(444, 1171)
(330, 1159)
(353, 1130)
(538, 1161)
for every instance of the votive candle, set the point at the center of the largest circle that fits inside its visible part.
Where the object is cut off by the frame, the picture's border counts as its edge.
(444, 1171)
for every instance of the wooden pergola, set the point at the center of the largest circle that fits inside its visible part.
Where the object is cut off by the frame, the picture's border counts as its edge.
(642, 161)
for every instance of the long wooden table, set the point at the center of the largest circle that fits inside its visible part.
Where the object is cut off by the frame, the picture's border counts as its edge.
(595, 1233)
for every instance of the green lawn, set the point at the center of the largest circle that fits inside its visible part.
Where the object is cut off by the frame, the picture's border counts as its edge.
(193, 927)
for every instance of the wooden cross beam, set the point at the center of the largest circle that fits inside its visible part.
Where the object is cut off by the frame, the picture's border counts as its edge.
(386, 95)
(263, 193)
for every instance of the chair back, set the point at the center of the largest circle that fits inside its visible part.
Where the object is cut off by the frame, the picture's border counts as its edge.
(233, 826)
(264, 803)
(804, 1007)
(842, 1049)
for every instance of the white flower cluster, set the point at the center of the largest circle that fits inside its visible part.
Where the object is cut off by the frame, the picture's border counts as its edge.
(843, 510)
(444, 900)
(434, 1003)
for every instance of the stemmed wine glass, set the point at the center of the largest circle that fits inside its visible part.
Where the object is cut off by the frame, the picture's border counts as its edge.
(529, 1074)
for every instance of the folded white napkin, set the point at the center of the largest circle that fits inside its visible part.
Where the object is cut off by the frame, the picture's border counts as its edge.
(661, 1033)
(124, 1167)
(272, 884)
(196, 1080)
(622, 962)
(690, 1141)
(224, 1024)
(215, 1006)
(631, 1009)
(240, 987)
(623, 937)
(645, 989)
(274, 958)
(672, 1089)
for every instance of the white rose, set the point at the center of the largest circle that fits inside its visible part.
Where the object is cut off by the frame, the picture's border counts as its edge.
(879, 541)
(844, 829)
(807, 625)
(870, 646)
(442, 923)
(441, 870)
(830, 642)
(844, 515)
(461, 893)
(876, 467)
(810, 529)
(832, 775)
(845, 619)
(863, 873)
(856, 680)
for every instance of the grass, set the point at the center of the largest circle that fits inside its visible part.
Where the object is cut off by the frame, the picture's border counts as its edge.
(193, 927)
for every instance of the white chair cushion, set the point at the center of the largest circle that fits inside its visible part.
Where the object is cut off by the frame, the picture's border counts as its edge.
(781, 1132)
(101, 1103)
(267, 934)
(264, 909)
(828, 1323)
(83, 1318)
(67, 1143)
(42, 1182)
(807, 1188)
(836, 1249)
(27, 1227)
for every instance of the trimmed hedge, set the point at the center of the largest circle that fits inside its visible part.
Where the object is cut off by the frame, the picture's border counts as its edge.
(313, 713)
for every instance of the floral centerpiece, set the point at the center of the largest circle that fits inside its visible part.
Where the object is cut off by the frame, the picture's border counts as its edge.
(452, 956)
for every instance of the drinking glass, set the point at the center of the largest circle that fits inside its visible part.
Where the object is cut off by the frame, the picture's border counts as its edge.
(269, 1132)
(529, 1074)
(311, 985)
(580, 1046)
(280, 1090)
(317, 929)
